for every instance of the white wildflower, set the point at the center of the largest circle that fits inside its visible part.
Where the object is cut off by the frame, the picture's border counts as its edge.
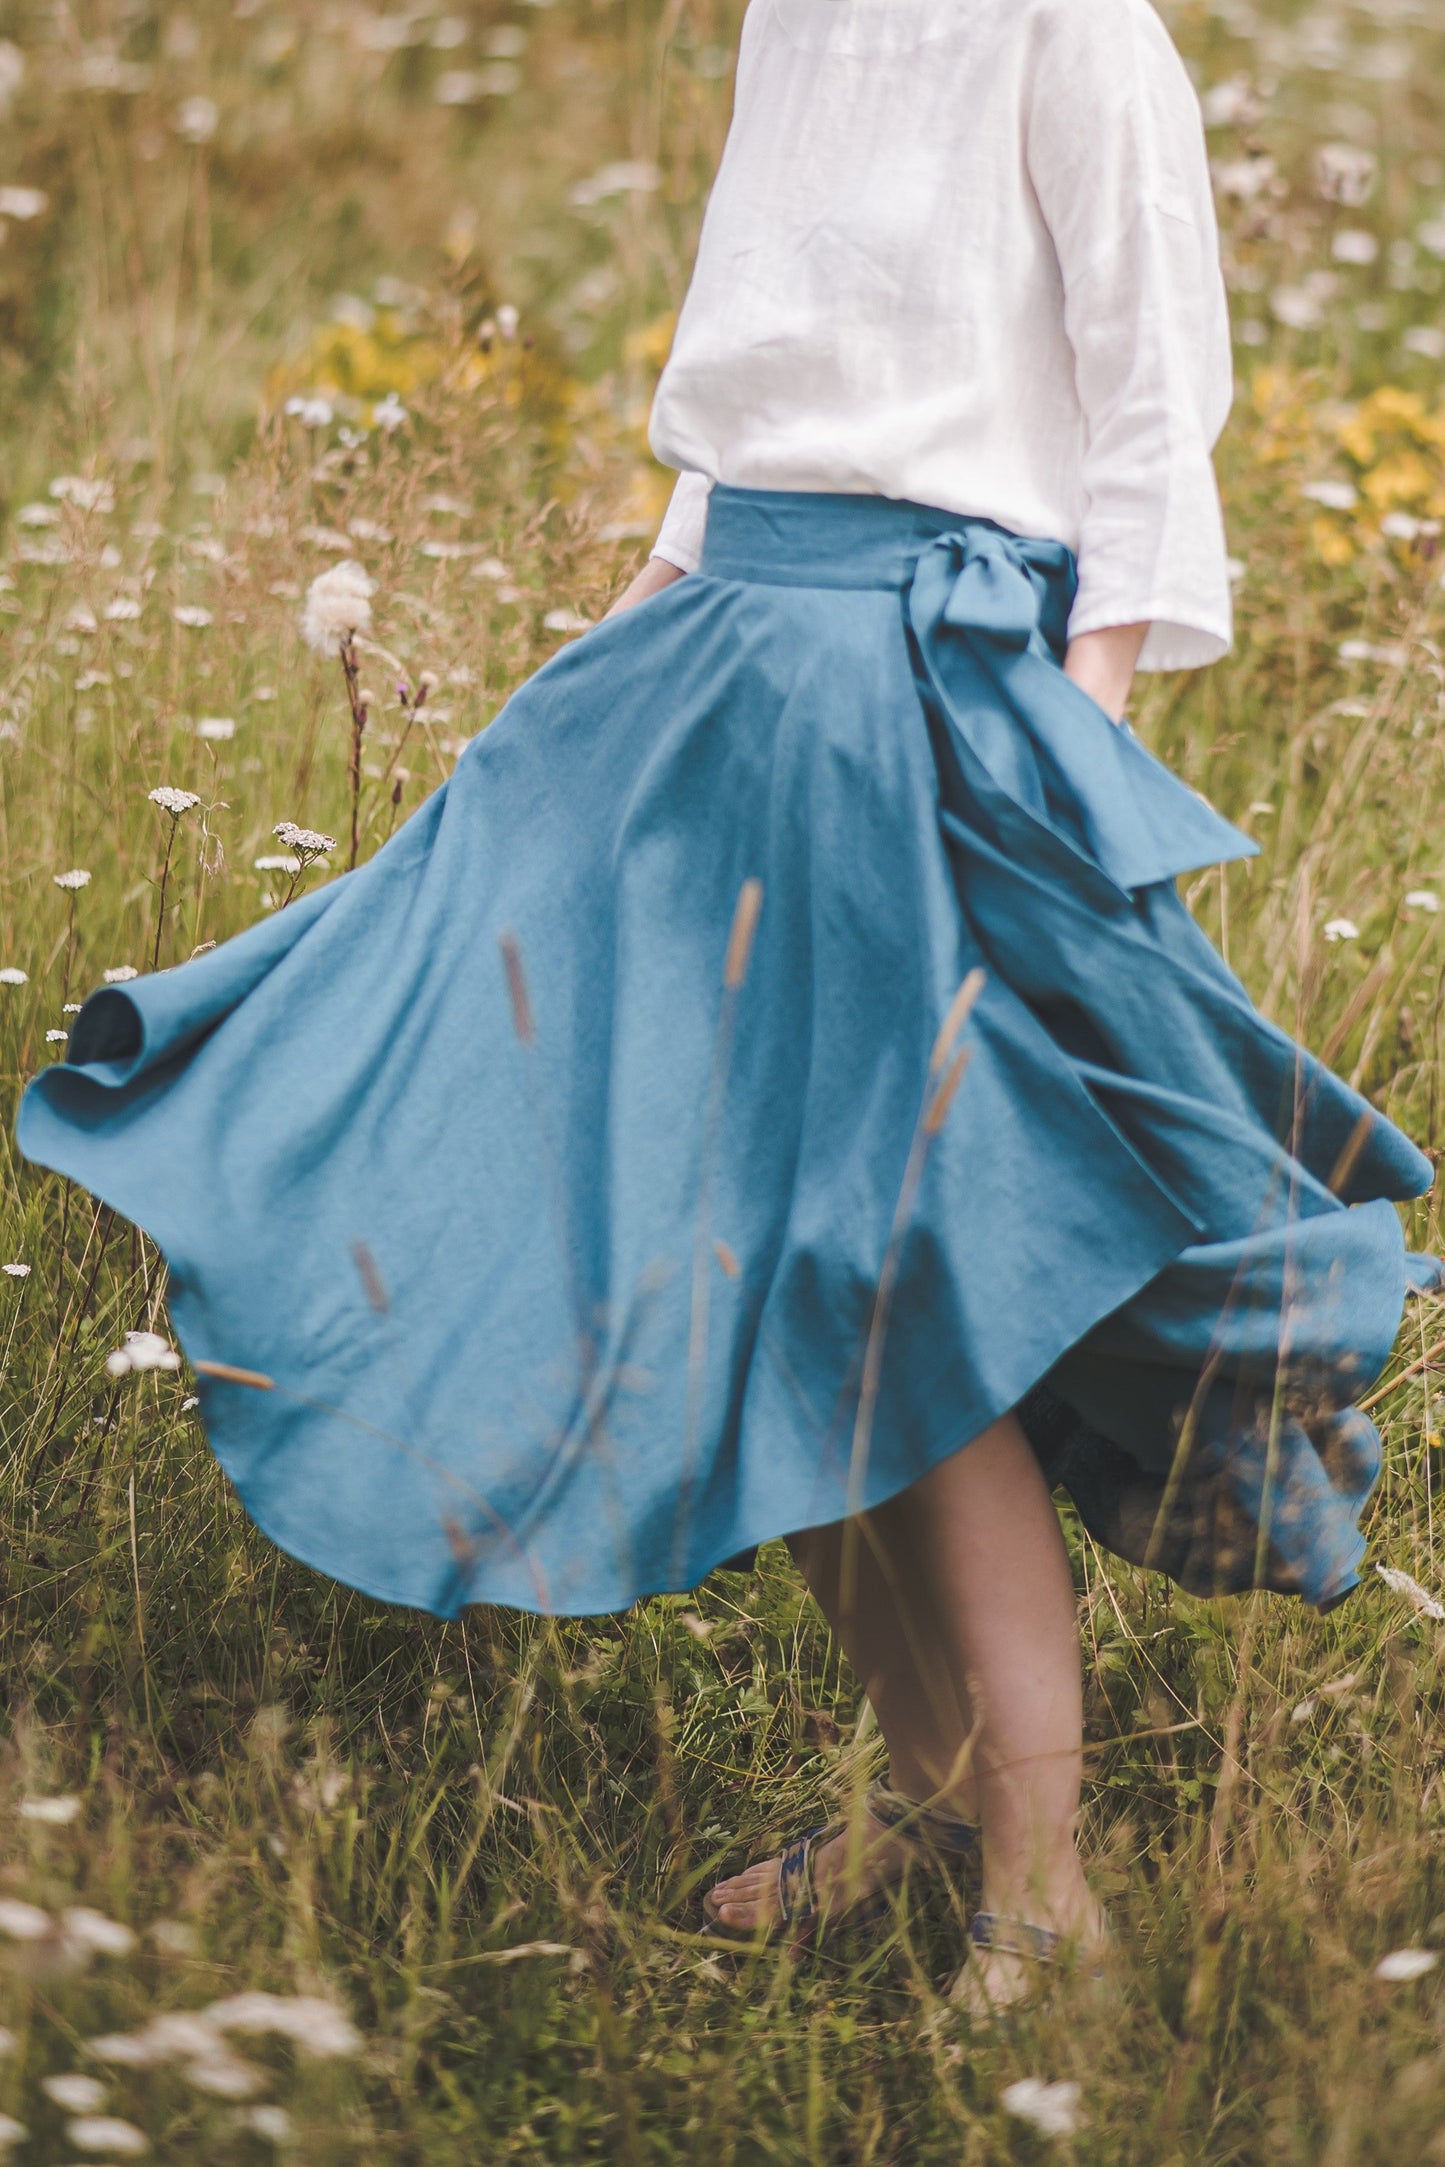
(76, 2093)
(23, 1922)
(1297, 308)
(389, 413)
(325, 538)
(1344, 173)
(142, 1351)
(84, 494)
(216, 729)
(448, 32)
(306, 842)
(12, 74)
(223, 2075)
(11, 977)
(565, 620)
(338, 606)
(22, 203)
(1420, 1599)
(107, 2133)
(1354, 245)
(15, 1271)
(1401, 526)
(629, 176)
(7, 2041)
(1341, 929)
(1242, 179)
(197, 120)
(191, 613)
(174, 802)
(508, 319)
(1303, 1710)
(92, 1929)
(173, 1936)
(123, 610)
(120, 974)
(56, 1038)
(1402, 1964)
(57, 1812)
(1393, 654)
(1422, 899)
(1427, 340)
(1229, 104)
(11, 2132)
(71, 1008)
(272, 2123)
(1335, 496)
(273, 862)
(1051, 2109)
(317, 2027)
(313, 412)
(75, 879)
(37, 515)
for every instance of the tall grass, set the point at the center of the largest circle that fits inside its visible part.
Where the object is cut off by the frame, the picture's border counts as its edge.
(485, 1841)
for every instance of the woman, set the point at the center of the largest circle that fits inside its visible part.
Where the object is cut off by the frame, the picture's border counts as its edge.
(594, 1179)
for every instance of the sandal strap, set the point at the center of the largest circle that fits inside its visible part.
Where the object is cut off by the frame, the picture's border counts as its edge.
(1014, 1937)
(797, 1896)
(928, 1826)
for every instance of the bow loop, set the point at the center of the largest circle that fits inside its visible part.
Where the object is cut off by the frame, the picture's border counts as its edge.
(989, 612)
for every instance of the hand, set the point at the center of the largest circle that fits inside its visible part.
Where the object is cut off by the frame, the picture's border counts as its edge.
(1102, 663)
(656, 574)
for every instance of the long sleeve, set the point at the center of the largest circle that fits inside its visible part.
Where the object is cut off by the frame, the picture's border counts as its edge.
(680, 537)
(1115, 152)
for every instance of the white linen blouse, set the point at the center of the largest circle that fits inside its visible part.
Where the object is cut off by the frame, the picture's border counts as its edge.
(964, 252)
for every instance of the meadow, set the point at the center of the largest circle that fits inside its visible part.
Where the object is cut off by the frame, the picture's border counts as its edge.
(284, 1874)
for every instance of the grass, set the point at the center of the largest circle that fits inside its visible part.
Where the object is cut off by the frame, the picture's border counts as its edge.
(485, 1841)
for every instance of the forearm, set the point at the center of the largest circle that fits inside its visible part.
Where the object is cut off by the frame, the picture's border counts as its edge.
(656, 574)
(1102, 663)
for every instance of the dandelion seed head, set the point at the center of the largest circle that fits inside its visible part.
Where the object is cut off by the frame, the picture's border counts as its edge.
(338, 607)
(74, 880)
(1051, 2109)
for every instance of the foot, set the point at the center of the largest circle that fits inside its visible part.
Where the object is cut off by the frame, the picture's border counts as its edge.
(847, 1869)
(994, 1979)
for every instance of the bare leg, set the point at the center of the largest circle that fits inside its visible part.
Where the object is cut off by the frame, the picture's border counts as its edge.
(968, 1621)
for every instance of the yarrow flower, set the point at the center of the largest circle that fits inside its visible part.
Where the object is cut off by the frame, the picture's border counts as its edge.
(78, 2094)
(121, 974)
(57, 1812)
(1341, 929)
(73, 880)
(11, 977)
(56, 1038)
(1402, 1964)
(271, 862)
(107, 2133)
(191, 613)
(123, 610)
(338, 607)
(216, 728)
(174, 802)
(142, 1350)
(1422, 899)
(312, 412)
(1051, 2109)
(308, 843)
(15, 1271)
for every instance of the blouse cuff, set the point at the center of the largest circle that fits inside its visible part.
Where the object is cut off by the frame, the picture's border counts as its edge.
(680, 537)
(1182, 635)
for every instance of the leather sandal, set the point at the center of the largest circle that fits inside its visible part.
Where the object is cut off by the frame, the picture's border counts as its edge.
(935, 1840)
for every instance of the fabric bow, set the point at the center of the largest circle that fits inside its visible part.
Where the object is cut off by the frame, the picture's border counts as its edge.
(989, 612)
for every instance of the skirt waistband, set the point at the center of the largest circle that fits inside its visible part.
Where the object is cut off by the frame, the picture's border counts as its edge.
(821, 538)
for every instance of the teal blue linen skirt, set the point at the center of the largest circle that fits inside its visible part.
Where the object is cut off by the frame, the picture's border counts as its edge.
(592, 1174)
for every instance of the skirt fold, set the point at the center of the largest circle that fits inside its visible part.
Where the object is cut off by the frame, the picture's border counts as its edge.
(567, 1240)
